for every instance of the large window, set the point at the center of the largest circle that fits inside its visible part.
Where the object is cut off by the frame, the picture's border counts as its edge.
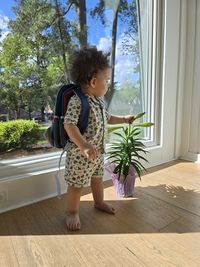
(36, 49)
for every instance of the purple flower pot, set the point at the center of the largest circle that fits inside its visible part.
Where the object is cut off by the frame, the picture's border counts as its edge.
(123, 187)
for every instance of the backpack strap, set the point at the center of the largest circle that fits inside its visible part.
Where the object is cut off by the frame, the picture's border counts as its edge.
(57, 176)
(85, 108)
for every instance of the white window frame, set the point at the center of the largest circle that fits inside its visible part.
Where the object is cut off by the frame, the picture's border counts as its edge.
(151, 71)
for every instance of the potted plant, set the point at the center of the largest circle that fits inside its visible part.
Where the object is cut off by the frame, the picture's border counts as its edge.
(125, 156)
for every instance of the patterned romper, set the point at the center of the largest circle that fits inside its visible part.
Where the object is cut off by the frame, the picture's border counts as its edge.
(78, 169)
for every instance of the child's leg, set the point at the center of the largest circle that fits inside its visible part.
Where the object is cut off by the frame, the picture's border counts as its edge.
(97, 191)
(73, 201)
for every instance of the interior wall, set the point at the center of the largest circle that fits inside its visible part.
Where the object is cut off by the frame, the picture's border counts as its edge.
(170, 97)
(190, 134)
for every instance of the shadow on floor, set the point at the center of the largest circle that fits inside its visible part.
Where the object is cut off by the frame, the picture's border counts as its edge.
(153, 209)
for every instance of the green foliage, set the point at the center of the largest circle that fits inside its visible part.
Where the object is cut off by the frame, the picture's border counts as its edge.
(41, 132)
(126, 98)
(128, 149)
(28, 78)
(18, 134)
(32, 68)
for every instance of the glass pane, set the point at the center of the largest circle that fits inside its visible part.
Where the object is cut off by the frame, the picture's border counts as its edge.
(127, 96)
(35, 53)
(145, 35)
(132, 92)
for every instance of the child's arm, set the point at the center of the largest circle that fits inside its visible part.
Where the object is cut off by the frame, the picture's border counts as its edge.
(75, 136)
(121, 119)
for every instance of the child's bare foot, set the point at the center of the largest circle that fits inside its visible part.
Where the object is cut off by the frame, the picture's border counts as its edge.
(73, 221)
(105, 207)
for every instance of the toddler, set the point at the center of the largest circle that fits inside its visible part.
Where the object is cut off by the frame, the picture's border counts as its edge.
(85, 153)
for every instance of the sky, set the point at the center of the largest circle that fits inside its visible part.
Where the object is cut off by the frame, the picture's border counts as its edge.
(5, 14)
(6, 7)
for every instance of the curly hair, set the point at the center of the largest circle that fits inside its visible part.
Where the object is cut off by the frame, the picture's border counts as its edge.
(87, 62)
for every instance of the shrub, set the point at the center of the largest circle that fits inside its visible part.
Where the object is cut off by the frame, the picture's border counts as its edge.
(18, 134)
(42, 137)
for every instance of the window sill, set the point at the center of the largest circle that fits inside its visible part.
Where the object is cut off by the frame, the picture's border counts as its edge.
(28, 166)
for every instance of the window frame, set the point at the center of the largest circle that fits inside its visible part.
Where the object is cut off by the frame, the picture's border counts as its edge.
(154, 70)
(160, 151)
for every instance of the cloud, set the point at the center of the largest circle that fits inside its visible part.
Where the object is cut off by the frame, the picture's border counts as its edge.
(3, 25)
(124, 69)
(3, 21)
(104, 44)
(124, 63)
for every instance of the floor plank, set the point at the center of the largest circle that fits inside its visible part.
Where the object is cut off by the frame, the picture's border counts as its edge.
(7, 253)
(159, 226)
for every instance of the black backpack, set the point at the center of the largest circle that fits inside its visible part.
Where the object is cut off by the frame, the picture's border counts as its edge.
(56, 134)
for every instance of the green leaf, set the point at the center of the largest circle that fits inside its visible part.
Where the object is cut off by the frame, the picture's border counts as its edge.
(120, 135)
(126, 170)
(139, 164)
(144, 124)
(139, 115)
(138, 170)
(135, 132)
(114, 128)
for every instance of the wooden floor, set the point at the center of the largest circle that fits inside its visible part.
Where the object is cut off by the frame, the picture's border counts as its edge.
(160, 226)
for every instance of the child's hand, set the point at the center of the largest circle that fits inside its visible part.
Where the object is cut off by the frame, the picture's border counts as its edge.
(89, 151)
(129, 118)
